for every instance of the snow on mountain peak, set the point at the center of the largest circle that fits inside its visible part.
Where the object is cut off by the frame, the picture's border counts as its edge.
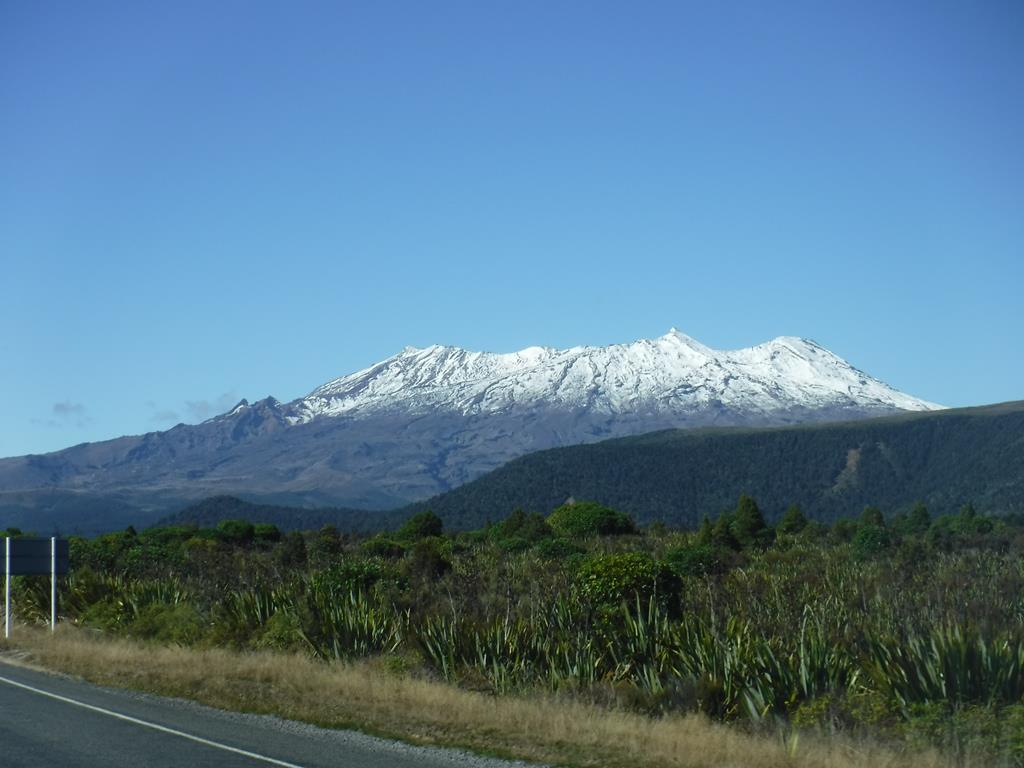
(672, 374)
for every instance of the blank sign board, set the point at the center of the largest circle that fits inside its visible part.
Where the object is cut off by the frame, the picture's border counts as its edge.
(32, 557)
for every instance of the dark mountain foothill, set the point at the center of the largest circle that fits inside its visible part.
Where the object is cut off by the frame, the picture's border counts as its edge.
(945, 459)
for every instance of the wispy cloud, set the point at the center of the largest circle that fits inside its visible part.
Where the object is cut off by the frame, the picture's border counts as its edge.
(164, 415)
(200, 410)
(64, 414)
(68, 410)
(161, 415)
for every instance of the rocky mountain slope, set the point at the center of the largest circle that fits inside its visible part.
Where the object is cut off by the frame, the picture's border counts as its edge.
(674, 374)
(427, 420)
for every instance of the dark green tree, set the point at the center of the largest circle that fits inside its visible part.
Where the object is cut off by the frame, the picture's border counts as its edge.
(872, 516)
(844, 529)
(870, 541)
(748, 524)
(704, 532)
(721, 533)
(793, 521)
(970, 522)
(919, 520)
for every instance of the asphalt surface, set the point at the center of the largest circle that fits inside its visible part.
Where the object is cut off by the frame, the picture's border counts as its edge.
(53, 720)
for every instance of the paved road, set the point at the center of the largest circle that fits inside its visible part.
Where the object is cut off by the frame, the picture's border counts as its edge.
(50, 720)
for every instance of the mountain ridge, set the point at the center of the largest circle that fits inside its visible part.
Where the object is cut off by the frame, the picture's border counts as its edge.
(427, 420)
(986, 442)
(671, 371)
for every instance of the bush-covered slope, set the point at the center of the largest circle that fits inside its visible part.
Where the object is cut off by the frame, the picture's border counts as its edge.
(944, 459)
(210, 512)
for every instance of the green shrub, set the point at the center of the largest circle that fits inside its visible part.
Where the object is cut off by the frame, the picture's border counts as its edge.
(699, 559)
(588, 518)
(519, 525)
(1012, 719)
(326, 544)
(846, 710)
(291, 552)
(870, 541)
(282, 632)
(870, 708)
(420, 526)
(400, 663)
(178, 623)
(350, 575)
(607, 581)
(955, 664)
(793, 521)
(558, 549)
(236, 531)
(976, 734)
(382, 546)
(844, 529)
(105, 614)
(513, 544)
(429, 558)
(265, 533)
(815, 714)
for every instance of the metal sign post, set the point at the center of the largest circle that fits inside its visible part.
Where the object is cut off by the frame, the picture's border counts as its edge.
(53, 583)
(34, 557)
(7, 587)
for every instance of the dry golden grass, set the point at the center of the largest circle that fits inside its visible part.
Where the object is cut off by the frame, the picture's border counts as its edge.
(361, 696)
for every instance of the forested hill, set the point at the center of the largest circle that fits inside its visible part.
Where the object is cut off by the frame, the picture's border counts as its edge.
(944, 458)
(210, 512)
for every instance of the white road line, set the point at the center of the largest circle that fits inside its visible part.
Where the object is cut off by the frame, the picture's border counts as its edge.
(154, 726)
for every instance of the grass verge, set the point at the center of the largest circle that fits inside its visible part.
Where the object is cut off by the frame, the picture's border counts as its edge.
(362, 696)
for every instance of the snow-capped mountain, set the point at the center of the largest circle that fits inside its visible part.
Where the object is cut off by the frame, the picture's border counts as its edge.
(673, 374)
(426, 420)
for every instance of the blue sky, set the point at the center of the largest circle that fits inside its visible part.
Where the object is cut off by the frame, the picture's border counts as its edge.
(205, 201)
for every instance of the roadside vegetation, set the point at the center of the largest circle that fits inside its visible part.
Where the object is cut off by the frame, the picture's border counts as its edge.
(577, 637)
